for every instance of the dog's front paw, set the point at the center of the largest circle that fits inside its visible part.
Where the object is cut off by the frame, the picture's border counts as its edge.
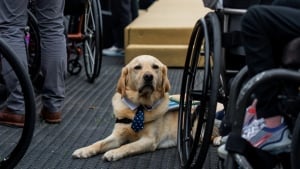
(82, 153)
(217, 140)
(112, 155)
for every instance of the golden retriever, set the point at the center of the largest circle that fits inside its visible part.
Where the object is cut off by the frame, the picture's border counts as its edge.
(143, 82)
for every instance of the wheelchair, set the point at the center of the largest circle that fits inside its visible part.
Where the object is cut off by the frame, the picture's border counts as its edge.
(84, 36)
(11, 154)
(214, 57)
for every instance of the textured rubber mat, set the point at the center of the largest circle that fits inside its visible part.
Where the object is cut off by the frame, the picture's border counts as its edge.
(87, 117)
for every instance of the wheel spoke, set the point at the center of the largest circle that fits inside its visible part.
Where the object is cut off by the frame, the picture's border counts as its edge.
(90, 56)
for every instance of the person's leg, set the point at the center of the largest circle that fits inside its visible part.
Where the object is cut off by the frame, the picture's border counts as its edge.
(121, 17)
(134, 9)
(13, 19)
(53, 52)
(267, 29)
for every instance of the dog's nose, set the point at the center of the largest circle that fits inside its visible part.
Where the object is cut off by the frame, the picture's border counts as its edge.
(148, 77)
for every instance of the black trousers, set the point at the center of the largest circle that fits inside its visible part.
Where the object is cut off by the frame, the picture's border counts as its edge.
(266, 31)
(123, 12)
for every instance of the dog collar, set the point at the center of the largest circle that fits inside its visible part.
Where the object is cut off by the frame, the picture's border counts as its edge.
(133, 106)
(137, 123)
(125, 121)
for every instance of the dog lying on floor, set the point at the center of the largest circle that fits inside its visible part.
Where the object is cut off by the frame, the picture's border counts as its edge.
(140, 105)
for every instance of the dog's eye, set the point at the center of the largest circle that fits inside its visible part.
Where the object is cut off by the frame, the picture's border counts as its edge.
(137, 67)
(155, 66)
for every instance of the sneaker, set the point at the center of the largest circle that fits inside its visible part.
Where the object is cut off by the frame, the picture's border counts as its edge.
(113, 51)
(274, 140)
(252, 129)
(248, 130)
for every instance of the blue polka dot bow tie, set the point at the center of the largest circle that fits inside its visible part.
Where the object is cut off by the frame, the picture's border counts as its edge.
(138, 120)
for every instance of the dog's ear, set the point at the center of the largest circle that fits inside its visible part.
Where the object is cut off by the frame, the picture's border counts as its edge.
(122, 82)
(165, 80)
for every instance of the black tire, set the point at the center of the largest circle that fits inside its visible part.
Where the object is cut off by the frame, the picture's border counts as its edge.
(34, 49)
(19, 150)
(205, 45)
(74, 67)
(92, 45)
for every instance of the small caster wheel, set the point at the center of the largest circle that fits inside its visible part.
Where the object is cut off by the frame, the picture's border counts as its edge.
(74, 67)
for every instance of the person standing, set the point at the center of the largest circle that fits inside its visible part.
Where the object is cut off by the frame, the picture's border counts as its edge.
(123, 12)
(13, 19)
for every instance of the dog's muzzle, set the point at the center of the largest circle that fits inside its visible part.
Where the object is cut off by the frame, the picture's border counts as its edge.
(148, 87)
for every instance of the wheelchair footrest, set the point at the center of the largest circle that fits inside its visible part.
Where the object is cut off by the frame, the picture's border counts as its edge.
(256, 157)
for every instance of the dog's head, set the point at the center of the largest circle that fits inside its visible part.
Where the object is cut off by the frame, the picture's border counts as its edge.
(143, 77)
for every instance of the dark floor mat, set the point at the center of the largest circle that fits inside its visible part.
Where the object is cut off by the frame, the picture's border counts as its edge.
(87, 117)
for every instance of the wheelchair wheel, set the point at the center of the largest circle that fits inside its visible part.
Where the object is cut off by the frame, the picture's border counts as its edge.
(74, 67)
(33, 47)
(92, 45)
(198, 100)
(295, 154)
(12, 159)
